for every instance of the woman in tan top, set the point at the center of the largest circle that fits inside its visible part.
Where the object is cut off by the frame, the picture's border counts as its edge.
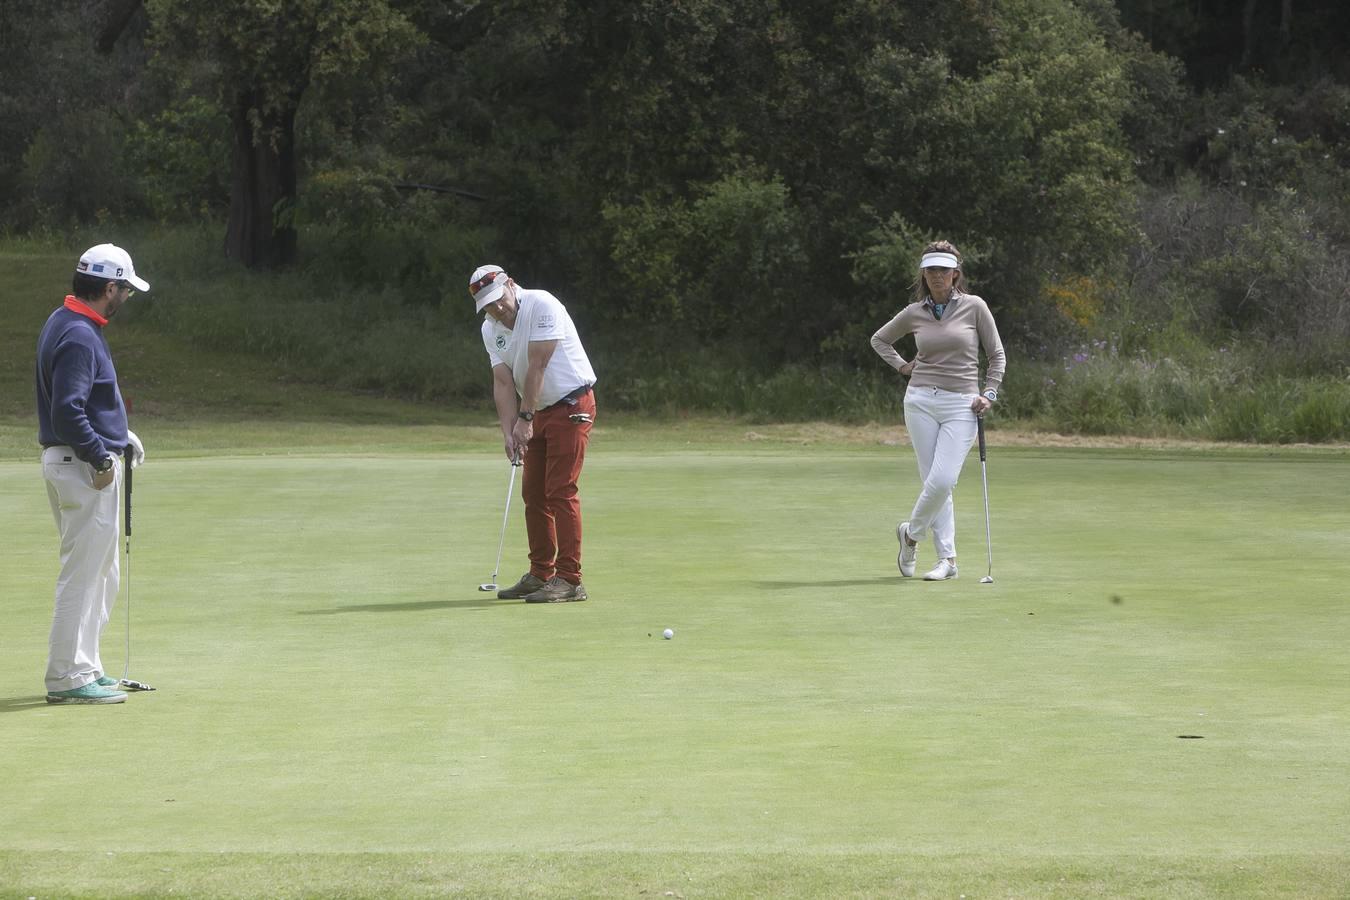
(943, 399)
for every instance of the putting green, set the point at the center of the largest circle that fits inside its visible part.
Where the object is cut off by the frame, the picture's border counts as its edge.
(341, 712)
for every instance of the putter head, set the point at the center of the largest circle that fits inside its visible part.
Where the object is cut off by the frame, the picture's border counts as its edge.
(131, 684)
(988, 579)
(487, 587)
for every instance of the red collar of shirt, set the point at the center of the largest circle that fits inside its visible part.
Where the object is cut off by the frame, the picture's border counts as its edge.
(77, 306)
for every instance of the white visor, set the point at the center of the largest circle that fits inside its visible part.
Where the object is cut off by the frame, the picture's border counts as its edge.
(939, 260)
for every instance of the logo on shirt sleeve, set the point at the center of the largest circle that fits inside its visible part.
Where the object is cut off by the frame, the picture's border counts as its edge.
(546, 321)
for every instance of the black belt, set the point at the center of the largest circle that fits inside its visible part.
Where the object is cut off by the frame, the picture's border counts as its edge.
(572, 398)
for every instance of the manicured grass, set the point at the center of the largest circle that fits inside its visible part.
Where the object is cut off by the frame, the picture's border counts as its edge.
(341, 713)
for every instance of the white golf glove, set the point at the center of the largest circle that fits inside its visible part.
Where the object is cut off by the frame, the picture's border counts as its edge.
(137, 449)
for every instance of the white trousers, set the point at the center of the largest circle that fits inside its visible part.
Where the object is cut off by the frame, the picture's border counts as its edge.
(942, 427)
(89, 522)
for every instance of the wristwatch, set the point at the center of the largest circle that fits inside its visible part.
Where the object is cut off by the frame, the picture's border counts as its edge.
(527, 416)
(991, 395)
(103, 465)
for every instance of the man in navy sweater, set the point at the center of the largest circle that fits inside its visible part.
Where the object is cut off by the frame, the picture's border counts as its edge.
(82, 425)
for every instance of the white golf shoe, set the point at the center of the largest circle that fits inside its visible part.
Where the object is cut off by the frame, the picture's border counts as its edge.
(909, 553)
(942, 571)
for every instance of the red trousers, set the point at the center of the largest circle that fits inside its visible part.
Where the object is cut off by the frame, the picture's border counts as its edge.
(553, 459)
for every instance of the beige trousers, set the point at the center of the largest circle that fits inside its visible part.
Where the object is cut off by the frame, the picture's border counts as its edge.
(89, 522)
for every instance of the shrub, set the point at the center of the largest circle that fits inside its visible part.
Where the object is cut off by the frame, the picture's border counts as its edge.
(1322, 413)
(1284, 411)
(71, 173)
(1214, 263)
(360, 228)
(323, 326)
(728, 262)
(177, 154)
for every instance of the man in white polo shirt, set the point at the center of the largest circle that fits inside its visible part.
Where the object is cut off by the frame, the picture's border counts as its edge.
(541, 384)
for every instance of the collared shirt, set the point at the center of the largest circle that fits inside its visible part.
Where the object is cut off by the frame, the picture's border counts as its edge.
(78, 399)
(76, 305)
(540, 316)
(949, 347)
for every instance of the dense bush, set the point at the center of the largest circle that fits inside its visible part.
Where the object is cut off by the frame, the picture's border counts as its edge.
(324, 327)
(724, 265)
(1284, 411)
(1215, 263)
(177, 154)
(735, 165)
(733, 189)
(1227, 393)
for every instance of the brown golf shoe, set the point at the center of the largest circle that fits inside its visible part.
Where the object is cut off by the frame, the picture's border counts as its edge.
(557, 590)
(527, 585)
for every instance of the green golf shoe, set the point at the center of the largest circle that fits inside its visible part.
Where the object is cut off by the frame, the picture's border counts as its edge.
(90, 693)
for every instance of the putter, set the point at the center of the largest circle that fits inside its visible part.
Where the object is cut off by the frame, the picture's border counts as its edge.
(510, 489)
(984, 478)
(129, 684)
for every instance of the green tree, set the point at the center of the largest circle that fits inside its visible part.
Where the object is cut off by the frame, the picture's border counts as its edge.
(1288, 40)
(628, 135)
(266, 54)
(68, 91)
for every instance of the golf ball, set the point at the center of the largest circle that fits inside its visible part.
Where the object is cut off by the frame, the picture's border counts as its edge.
(668, 633)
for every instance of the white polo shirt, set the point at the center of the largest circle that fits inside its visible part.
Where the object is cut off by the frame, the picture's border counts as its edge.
(540, 317)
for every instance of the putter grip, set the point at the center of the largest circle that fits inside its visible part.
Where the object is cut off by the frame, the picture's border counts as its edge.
(126, 486)
(979, 427)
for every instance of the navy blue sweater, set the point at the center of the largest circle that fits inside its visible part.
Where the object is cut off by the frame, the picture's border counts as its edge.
(78, 401)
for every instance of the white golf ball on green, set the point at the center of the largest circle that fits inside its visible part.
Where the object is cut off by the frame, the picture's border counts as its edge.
(668, 633)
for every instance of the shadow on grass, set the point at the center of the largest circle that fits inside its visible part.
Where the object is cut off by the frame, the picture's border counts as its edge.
(846, 582)
(424, 606)
(19, 704)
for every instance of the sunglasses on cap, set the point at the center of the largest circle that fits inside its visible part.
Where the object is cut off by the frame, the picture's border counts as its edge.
(483, 282)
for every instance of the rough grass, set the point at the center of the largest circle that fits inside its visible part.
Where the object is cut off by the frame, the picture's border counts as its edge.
(212, 341)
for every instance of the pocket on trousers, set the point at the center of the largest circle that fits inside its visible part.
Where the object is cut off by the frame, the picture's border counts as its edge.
(66, 482)
(60, 467)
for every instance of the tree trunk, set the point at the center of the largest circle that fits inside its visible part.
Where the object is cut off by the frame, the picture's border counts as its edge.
(1248, 34)
(260, 234)
(117, 16)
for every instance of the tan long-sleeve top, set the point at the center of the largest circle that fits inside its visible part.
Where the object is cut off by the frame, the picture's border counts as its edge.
(949, 348)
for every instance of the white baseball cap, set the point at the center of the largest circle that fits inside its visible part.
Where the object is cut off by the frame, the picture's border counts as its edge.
(111, 262)
(486, 285)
